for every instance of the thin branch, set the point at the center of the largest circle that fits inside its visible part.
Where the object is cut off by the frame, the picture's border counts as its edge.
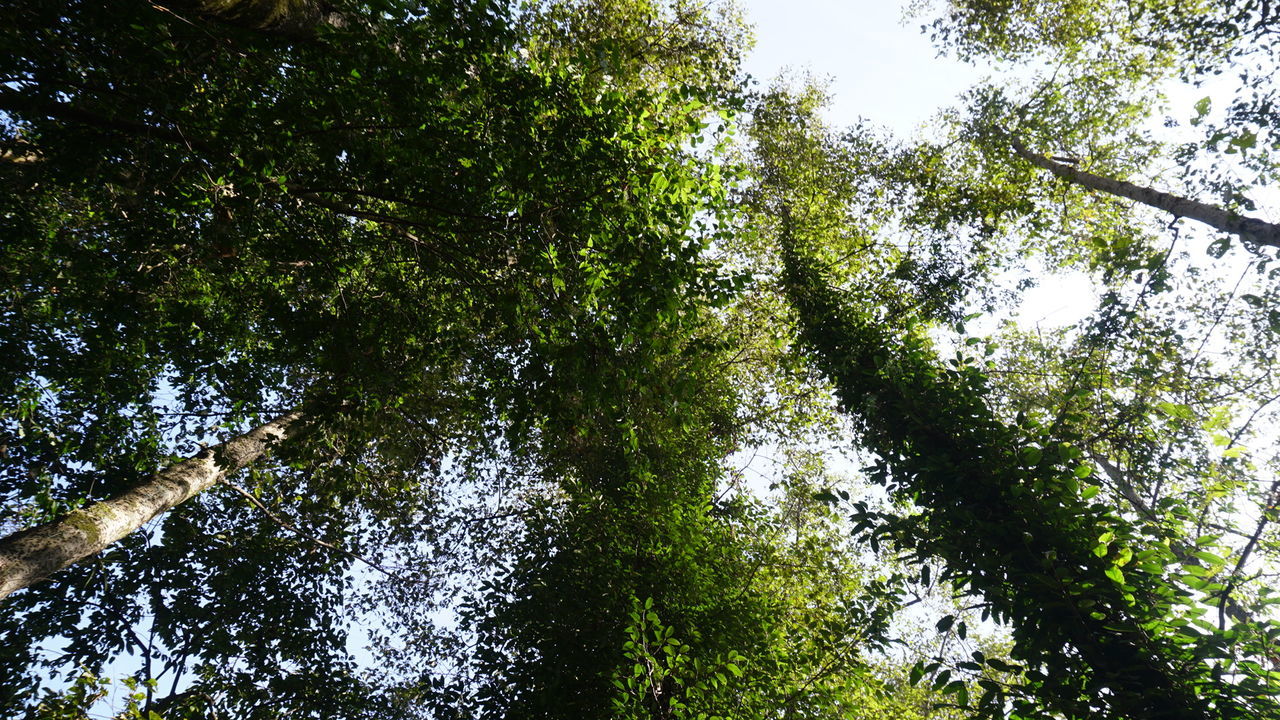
(305, 535)
(1250, 229)
(1263, 520)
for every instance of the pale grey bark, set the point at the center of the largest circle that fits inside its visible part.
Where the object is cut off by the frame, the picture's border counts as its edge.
(1251, 229)
(31, 555)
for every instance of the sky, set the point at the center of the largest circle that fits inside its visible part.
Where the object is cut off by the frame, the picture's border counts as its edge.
(881, 67)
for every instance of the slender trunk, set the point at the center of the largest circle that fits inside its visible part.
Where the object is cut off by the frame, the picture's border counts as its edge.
(31, 555)
(1251, 229)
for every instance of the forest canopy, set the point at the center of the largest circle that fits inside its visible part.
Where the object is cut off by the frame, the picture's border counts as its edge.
(475, 359)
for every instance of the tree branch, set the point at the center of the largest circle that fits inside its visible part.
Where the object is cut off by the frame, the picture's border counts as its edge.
(1251, 229)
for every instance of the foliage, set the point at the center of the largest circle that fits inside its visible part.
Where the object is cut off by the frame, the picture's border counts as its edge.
(542, 303)
(1095, 600)
(207, 221)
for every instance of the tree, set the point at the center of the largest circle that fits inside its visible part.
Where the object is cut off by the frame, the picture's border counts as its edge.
(210, 223)
(1093, 104)
(1135, 391)
(1001, 502)
(1252, 230)
(1097, 107)
(636, 584)
(31, 555)
(506, 268)
(234, 211)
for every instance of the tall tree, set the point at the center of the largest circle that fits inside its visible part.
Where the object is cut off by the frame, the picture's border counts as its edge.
(34, 554)
(1099, 96)
(1001, 502)
(210, 222)
(1173, 440)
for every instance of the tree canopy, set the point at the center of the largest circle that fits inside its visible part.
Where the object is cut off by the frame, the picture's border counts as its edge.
(421, 359)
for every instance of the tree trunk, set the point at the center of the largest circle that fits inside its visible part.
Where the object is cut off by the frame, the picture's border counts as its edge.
(1251, 229)
(31, 555)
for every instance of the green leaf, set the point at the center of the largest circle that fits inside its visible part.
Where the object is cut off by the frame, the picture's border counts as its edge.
(1176, 410)
(1202, 107)
(941, 680)
(1002, 666)
(1245, 140)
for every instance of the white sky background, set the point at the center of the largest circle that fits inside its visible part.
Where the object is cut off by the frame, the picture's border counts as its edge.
(878, 68)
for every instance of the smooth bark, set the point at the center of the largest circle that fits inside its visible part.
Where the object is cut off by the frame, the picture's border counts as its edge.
(31, 555)
(1251, 229)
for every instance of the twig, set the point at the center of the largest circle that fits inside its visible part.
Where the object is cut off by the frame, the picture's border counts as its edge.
(1244, 554)
(305, 535)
